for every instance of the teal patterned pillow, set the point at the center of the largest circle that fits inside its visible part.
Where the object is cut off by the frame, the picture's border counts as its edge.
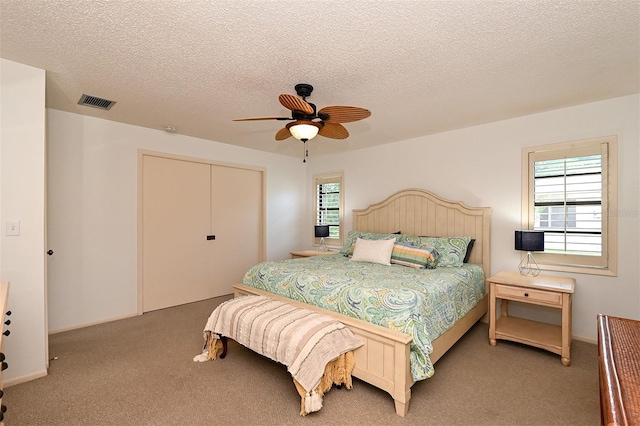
(352, 237)
(451, 250)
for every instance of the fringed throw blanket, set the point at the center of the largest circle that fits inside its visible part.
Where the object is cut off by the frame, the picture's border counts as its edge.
(315, 348)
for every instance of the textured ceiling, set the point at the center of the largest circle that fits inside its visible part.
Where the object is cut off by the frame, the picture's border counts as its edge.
(421, 67)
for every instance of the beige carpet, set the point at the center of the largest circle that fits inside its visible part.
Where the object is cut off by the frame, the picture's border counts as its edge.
(139, 371)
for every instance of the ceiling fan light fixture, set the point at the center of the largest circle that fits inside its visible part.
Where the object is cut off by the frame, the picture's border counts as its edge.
(304, 129)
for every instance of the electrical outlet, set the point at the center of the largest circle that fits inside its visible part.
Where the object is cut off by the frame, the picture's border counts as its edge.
(13, 227)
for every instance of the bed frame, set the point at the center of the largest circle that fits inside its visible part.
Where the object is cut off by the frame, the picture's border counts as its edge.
(383, 360)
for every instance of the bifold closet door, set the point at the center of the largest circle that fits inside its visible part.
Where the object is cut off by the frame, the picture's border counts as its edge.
(202, 228)
(236, 218)
(177, 257)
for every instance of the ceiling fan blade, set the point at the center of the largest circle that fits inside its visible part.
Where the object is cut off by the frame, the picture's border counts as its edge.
(333, 131)
(262, 118)
(283, 134)
(344, 114)
(294, 103)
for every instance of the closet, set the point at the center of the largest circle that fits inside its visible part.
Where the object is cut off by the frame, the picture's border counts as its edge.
(201, 226)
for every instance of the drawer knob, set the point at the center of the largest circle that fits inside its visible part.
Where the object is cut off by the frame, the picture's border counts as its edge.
(526, 295)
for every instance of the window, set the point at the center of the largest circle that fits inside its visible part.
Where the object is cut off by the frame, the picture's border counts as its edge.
(328, 202)
(569, 191)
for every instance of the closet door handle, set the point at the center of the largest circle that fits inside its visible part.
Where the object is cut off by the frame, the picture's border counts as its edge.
(50, 252)
(211, 237)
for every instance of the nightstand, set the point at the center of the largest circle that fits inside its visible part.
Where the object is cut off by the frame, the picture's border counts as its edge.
(309, 253)
(542, 290)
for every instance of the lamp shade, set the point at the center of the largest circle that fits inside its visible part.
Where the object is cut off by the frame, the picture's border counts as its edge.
(303, 130)
(529, 240)
(322, 231)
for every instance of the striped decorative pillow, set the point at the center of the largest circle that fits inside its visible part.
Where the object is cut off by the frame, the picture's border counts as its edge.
(414, 257)
(451, 250)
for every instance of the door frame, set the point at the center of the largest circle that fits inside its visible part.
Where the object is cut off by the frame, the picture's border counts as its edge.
(144, 153)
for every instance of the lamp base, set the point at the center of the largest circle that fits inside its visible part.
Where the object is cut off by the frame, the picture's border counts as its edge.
(322, 247)
(528, 266)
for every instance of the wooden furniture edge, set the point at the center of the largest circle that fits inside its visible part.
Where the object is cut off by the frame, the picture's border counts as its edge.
(310, 253)
(4, 296)
(612, 406)
(541, 282)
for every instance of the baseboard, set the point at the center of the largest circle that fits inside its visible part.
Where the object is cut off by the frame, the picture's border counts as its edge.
(75, 327)
(23, 379)
(585, 339)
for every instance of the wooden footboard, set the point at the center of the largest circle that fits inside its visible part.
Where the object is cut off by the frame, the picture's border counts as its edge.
(383, 360)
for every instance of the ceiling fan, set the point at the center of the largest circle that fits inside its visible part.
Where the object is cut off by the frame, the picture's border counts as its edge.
(307, 122)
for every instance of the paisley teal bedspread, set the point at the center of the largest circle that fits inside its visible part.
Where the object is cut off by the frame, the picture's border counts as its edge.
(422, 303)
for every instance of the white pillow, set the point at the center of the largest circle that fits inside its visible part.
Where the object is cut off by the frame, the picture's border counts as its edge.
(375, 251)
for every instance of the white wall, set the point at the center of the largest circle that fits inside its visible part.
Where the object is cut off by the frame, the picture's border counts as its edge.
(92, 213)
(22, 197)
(481, 166)
(92, 210)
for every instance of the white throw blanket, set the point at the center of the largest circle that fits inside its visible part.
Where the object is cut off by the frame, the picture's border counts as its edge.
(303, 340)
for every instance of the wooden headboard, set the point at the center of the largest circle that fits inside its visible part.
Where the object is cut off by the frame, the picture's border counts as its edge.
(419, 212)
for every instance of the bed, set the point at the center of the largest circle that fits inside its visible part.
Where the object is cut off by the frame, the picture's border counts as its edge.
(391, 359)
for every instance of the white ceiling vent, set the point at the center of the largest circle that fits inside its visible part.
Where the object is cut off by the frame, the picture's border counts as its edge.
(95, 102)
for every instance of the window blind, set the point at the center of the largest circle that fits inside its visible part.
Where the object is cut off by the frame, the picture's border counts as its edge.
(568, 204)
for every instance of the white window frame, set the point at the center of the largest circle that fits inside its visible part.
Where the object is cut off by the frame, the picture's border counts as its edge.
(607, 262)
(323, 179)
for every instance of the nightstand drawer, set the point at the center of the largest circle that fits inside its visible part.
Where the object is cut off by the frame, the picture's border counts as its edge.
(531, 296)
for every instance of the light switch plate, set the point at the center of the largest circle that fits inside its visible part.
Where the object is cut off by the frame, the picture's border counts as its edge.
(13, 227)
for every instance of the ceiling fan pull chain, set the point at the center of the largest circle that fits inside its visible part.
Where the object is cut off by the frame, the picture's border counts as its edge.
(306, 153)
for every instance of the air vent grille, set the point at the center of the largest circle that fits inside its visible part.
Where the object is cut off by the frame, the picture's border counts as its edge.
(95, 102)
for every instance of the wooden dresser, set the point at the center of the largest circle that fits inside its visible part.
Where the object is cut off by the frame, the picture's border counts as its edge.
(4, 296)
(619, 370)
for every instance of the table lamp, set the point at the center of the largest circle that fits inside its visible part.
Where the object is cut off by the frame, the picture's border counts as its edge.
(529, 241)
(322, 231)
